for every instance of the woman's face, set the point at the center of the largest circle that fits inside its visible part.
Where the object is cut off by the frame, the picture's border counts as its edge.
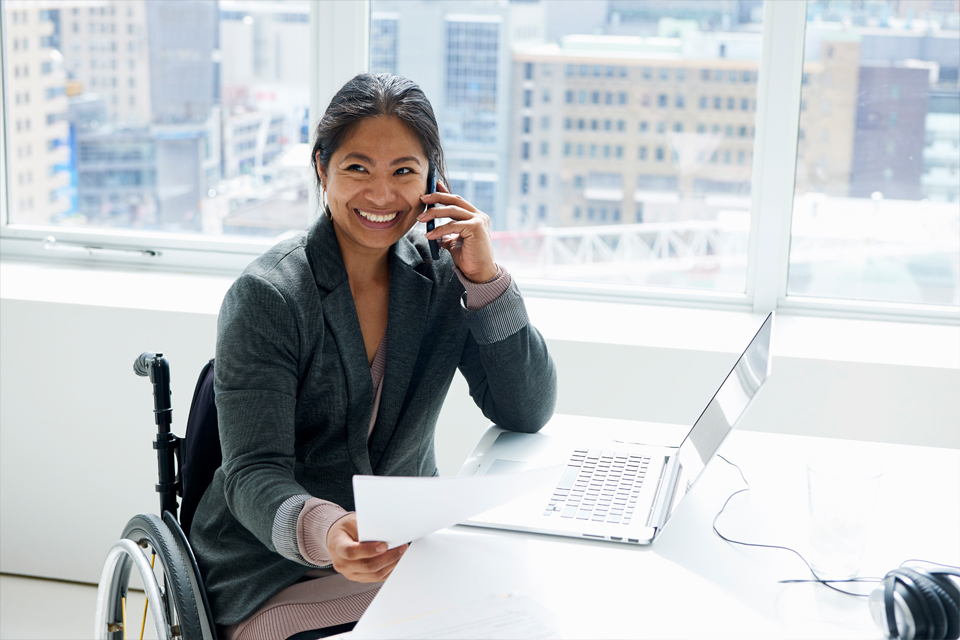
(374, 182)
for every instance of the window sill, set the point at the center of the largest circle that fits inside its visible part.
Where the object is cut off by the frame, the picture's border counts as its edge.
(635, 325)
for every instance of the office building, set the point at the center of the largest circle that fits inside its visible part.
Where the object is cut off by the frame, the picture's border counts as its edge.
(618, 129)
(265, 47)
(37, 134)
(940, 181)
(184, 71)
(105, 53)
(828, 112)
(465, 71)
(145, 178)
(891, 113)
(250, 140)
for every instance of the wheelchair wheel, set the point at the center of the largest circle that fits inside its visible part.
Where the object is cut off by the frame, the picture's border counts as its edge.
(170, 588)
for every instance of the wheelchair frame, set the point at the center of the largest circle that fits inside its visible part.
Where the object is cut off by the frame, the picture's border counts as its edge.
(178, 603)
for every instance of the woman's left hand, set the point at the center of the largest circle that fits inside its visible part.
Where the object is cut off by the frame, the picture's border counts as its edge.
(466, 236)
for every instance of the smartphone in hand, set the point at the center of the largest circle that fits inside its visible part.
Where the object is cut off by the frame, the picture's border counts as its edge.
(432, 188)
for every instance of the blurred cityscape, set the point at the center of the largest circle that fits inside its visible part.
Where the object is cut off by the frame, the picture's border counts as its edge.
(578, 126)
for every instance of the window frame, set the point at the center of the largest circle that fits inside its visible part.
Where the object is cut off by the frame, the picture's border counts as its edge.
(341, 31)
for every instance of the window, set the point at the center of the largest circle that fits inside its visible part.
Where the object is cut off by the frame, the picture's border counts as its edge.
(853, 195)
(464, 68)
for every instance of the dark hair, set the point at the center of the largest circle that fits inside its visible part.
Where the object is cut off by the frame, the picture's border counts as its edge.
(367, 96)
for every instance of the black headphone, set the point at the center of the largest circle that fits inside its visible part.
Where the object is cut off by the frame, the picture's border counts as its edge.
(918, 603)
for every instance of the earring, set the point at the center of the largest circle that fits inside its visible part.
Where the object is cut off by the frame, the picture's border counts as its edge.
(326, 208)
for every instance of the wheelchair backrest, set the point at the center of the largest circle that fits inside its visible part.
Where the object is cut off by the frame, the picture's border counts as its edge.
(200, 450)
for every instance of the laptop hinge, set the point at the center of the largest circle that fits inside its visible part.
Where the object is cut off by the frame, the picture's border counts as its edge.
(656, 516)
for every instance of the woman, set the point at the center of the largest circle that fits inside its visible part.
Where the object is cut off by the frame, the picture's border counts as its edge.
(335, 351)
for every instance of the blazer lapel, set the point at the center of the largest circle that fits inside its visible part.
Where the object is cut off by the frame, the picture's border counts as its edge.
(409, 300)
(343, 325)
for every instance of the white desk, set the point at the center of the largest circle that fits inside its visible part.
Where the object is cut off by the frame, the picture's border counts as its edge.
(690, 583)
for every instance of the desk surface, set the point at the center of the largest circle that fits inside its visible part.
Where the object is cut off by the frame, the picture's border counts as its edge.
(690, 583)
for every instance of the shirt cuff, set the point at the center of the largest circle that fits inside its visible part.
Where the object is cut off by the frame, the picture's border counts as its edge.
(316, 518)
(285, 529)
(478, 295)
(500, 319)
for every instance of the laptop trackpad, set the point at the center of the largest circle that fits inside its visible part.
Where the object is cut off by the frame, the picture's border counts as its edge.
(505, 466)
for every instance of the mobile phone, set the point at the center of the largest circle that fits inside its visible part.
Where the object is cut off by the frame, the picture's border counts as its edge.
(432, 188)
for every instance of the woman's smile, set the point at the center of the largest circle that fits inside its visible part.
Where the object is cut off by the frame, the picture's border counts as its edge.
(378, 220)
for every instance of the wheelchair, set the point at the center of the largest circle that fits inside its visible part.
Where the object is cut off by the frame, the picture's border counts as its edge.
(174, 588)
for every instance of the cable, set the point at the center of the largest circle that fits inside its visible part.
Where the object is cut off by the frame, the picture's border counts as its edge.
(774, 546)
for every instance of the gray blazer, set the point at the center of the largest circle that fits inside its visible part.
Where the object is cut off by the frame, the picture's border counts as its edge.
(295, 396)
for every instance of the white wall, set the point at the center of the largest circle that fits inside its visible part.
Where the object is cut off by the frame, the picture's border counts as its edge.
(76, 423)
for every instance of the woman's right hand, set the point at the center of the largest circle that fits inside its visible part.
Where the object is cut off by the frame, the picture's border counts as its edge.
(360, 561)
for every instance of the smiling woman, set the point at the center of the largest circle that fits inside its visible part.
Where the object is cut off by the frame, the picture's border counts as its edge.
(335, 351)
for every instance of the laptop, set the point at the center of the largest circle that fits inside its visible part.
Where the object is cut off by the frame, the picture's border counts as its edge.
(616, 491)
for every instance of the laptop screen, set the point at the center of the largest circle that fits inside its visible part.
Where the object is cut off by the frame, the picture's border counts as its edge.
(723, 412)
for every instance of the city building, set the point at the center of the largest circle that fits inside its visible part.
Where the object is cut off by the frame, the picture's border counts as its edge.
(145, 178)
(265, 47)
(37, 134)
(465, 71)
(105, 51)
(889, 141)
(250, 141)
(940, 181)
(618, 129)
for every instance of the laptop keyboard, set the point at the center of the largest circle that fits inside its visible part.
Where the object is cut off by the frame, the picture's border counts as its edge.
(600, 486)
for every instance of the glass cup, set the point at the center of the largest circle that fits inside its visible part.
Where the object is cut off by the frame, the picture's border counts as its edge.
(842, 493)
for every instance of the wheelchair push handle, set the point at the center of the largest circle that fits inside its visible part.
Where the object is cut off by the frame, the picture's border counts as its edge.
(157, 368)
(166, 444)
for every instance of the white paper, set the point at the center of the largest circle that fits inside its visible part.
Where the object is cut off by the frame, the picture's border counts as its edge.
(508, 617)
(397, 510)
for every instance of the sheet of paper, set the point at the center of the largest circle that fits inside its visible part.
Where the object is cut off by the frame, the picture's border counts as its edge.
(397, 510)
(511, 616)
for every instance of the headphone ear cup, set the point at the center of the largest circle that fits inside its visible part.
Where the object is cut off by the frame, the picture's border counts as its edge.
(930, 595)
(950, 598)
